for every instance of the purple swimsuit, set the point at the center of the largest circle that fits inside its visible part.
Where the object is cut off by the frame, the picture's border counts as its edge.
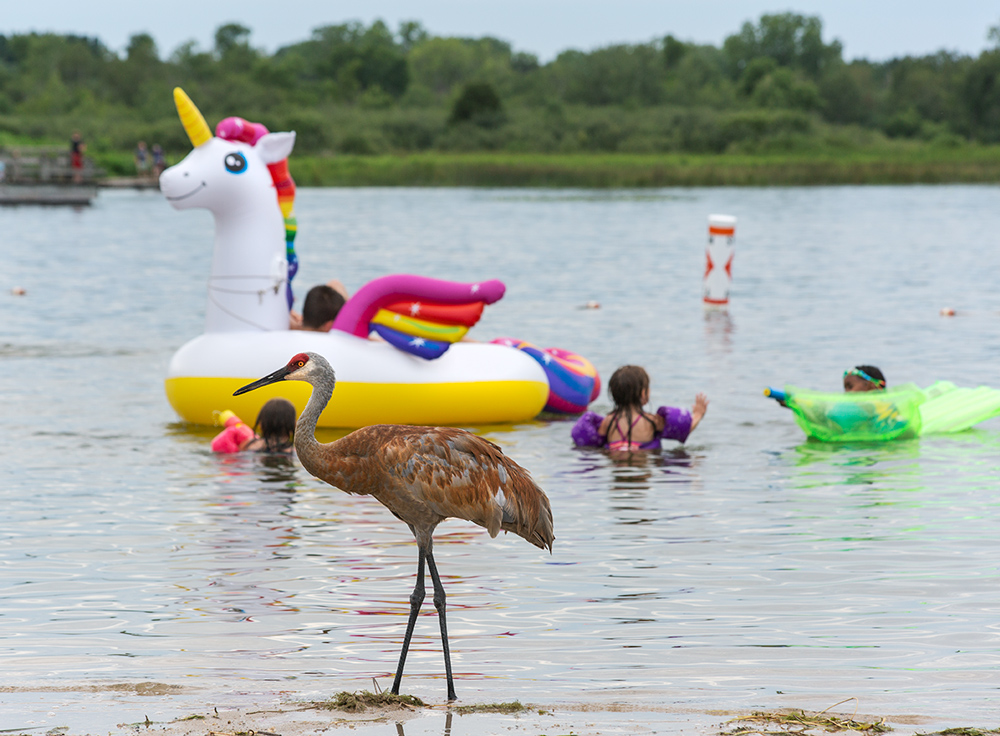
(676, 426)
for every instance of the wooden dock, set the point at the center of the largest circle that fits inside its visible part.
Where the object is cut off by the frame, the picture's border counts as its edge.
(74, 194)
(43, 175)
(129, 182)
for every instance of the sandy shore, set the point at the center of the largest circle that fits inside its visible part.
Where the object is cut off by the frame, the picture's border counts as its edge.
(168, 710)
(595, 720)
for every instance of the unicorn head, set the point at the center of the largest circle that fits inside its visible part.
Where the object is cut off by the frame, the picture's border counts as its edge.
(219, 174)
(230, 178)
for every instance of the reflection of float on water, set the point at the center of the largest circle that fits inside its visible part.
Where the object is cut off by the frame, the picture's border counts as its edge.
(418, 372)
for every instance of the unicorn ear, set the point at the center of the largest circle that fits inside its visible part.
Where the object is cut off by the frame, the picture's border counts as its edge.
(275, 147)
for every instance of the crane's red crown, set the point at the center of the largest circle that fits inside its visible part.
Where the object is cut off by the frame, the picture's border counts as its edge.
(298, 361)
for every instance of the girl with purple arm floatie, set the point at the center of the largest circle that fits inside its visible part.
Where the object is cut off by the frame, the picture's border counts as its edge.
(629, 428)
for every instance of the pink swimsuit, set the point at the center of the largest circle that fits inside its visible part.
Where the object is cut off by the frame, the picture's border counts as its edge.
(625, 445)
(676, 426)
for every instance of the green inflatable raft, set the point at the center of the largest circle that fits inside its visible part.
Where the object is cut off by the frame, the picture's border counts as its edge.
(904, 412)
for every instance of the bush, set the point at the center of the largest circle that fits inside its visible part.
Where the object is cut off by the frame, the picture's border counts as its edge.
(311, 131)
(907, 124)
(479, 104)
(410, 135)
(356, 144)
(601, 136)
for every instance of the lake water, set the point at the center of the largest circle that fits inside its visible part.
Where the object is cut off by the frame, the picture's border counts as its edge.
(748, 569)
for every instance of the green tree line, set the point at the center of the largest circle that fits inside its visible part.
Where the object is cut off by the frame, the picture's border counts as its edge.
(774, 85)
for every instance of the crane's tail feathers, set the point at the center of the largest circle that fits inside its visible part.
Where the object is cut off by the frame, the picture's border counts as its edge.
(528, 514)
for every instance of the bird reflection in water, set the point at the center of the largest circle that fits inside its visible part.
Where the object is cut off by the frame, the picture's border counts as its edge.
(445, 732)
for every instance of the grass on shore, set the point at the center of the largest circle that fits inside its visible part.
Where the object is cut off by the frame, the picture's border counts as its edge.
(636, 171)
(880, 165)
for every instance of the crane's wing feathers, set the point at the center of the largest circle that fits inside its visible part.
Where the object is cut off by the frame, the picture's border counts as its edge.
(430, 473)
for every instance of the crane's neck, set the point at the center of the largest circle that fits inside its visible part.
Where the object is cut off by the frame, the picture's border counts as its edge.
(306, 444)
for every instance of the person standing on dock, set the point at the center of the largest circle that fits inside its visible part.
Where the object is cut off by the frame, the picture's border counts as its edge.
(76, 149)
(142, 160)
(159, 161)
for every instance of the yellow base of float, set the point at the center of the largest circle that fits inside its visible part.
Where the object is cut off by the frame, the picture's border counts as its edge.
(473, 383)
(363, 404)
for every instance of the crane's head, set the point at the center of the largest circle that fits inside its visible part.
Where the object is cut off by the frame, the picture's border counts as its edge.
(307, 367)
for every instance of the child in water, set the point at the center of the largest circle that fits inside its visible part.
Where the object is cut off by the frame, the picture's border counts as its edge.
(275, 423)
(629, 428)
(859, 379)
(863, 378)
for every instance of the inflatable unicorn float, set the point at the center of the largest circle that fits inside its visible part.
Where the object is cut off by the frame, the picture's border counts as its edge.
(416, 371)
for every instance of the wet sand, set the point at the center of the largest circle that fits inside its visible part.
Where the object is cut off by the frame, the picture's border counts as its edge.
(169, 710)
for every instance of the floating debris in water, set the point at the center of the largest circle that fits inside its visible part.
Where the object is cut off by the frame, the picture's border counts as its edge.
(798, 722)
(359, 701)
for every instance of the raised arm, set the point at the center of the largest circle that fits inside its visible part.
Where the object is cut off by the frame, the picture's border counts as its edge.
(698, 410)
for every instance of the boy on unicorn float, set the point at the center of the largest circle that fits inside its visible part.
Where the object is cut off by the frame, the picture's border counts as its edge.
(320, 308)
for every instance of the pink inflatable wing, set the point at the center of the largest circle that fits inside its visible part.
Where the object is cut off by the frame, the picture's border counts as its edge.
(355, 317)
(234, 435)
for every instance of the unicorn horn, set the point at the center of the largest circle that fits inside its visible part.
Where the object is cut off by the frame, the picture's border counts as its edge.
(191, 118)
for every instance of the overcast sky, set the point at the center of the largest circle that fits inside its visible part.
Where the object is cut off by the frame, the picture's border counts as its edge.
(867, 28)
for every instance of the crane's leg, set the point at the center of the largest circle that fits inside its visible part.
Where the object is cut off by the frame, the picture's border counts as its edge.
(440, 606)
(416, 598)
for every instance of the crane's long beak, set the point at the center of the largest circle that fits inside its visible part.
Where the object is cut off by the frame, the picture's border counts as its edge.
(278, 375)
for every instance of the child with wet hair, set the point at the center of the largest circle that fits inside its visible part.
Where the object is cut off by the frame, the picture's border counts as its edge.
(273, 432)
(320, 307)
(629, 427)
(863, 378)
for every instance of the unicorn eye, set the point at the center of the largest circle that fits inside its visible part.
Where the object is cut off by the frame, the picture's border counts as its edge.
(235, 163)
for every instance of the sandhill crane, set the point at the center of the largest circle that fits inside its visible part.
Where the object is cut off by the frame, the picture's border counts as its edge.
(423, 475)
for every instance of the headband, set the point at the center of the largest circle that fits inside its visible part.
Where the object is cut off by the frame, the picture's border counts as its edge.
(880, 382)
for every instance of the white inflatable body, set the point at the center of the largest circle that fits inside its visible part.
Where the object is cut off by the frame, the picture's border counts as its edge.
(246, 326)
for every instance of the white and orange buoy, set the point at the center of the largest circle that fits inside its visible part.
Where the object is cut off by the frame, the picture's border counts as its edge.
(719, 253)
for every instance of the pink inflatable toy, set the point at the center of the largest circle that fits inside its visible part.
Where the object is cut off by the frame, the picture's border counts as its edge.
(355, 316)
